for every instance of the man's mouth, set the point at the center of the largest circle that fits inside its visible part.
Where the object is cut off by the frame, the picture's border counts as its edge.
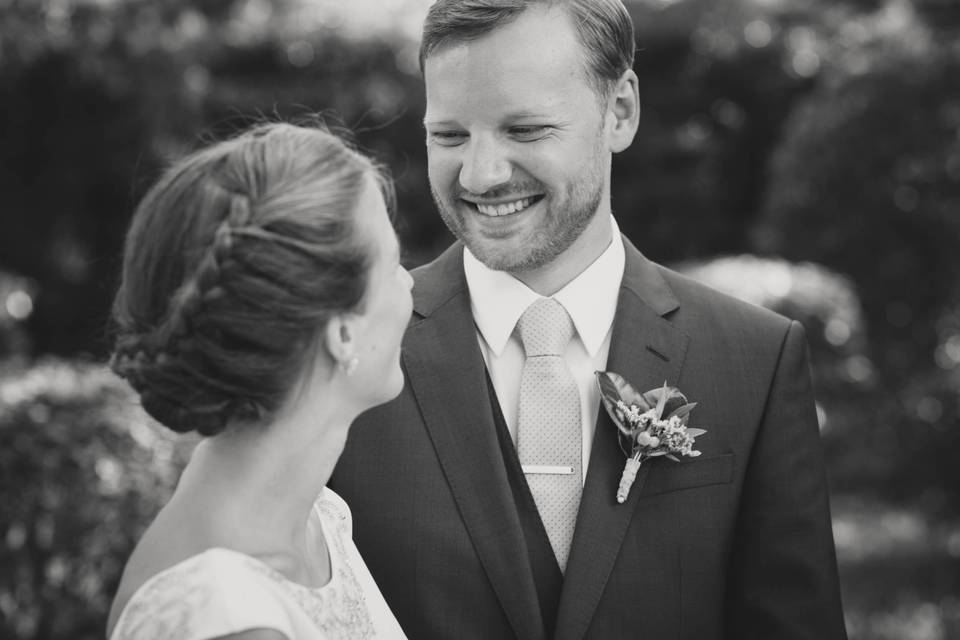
(505, 208)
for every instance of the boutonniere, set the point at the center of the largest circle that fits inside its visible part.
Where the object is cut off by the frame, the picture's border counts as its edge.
(651, 424)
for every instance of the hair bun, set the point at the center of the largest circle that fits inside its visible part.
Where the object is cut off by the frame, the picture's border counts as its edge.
(234, 261)
(207, 421)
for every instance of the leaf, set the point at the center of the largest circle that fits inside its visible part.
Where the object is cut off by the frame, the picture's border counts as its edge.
(614, 387)
(625, 430)
(693, 433)
(617, 420)
(682, 411)
(674, 399)
(627, 444)
(673, 457)
(662, 400)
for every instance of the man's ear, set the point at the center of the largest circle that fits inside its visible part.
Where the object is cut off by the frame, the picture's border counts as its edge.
(339, 338)
(624, 109)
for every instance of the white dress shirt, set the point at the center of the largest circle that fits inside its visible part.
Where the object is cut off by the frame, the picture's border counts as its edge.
(497, 301)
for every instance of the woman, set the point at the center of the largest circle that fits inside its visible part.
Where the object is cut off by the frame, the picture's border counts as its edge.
(262, 305)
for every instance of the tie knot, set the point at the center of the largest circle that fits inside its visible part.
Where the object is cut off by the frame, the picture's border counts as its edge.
(545, 328)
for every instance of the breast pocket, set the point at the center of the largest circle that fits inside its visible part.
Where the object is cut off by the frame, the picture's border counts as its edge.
(666, 475)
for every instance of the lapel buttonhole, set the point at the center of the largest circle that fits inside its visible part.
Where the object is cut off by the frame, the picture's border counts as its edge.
(658, 354)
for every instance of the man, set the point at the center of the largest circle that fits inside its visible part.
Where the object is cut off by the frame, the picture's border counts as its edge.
(476, 520)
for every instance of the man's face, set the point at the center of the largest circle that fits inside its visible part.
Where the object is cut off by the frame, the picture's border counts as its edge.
(516, 143)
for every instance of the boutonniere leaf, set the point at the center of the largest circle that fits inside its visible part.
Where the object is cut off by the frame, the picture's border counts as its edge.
(650, 424)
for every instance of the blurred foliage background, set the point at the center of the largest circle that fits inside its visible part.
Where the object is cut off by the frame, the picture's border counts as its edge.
(800, 154)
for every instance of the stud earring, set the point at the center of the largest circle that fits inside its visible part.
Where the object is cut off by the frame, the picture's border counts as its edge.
(350, 366)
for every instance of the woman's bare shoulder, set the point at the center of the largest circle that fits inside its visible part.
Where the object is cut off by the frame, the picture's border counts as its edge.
(212, 594)
(161, 547)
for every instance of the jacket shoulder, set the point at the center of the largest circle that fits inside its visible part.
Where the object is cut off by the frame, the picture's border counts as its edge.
(701, 303)
(439, 280)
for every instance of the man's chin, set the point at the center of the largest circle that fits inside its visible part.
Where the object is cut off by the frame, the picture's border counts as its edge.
(514, 261)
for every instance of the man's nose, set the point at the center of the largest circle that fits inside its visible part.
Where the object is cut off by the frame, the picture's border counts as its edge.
(485, 166)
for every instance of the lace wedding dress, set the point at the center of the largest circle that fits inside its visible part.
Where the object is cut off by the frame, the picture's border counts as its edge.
(219, 592)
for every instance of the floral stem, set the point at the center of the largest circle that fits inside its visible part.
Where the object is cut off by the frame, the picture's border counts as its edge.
(626, 480)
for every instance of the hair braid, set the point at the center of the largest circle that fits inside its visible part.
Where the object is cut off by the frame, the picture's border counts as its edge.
(206, 284)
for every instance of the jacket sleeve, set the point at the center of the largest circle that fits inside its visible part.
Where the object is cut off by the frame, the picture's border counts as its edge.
(782, 577)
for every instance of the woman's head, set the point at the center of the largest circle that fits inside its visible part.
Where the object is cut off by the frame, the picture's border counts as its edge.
(234, 263)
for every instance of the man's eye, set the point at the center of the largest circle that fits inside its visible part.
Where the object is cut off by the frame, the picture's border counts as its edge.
(529, 132)
(448, 138)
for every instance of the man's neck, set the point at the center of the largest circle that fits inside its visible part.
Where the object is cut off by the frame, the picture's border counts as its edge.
(553, 277)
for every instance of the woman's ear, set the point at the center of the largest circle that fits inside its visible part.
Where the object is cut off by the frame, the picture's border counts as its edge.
(339, 339)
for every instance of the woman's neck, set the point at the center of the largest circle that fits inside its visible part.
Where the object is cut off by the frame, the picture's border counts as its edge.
(252, 487)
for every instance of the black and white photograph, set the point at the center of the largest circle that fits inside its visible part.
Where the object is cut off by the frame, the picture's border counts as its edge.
(480, 319)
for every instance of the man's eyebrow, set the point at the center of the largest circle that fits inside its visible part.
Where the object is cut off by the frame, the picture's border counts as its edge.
(516, 115)
(438, 123)
(519, 115)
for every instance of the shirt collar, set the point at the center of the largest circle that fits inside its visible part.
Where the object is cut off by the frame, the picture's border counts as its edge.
(497, 299)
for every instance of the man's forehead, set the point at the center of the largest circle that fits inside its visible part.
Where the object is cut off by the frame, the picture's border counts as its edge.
(522, 91)
(508, 98)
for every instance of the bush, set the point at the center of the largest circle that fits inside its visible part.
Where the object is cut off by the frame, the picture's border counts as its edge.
(866, 183)
(82, 472)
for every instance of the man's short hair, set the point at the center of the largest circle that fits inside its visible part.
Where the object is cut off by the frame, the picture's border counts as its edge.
(604, 28)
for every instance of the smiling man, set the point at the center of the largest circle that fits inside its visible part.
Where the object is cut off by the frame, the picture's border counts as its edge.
(484, 497)
(519, 147)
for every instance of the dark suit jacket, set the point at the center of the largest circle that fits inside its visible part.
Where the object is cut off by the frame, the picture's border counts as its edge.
(735, 544)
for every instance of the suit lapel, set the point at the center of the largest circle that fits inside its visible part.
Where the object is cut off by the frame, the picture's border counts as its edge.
(647, 350)
(446, 372)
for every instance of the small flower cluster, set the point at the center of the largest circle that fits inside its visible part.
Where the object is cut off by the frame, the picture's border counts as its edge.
(650, 424)
(654, 435)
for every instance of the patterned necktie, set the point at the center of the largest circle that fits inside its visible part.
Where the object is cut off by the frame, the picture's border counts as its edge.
(548, 436)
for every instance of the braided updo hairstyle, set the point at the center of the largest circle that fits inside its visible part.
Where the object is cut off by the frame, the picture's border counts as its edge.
(233, 263)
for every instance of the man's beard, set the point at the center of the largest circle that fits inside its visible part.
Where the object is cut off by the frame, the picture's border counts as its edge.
(560, 231)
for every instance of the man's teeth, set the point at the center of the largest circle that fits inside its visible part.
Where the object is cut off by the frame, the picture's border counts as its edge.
(504, 209)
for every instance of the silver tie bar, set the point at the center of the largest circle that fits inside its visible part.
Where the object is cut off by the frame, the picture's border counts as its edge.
(547, 469)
